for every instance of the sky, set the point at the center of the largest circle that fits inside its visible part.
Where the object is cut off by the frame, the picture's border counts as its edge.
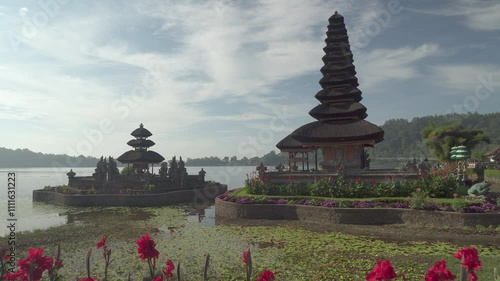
(228, 77)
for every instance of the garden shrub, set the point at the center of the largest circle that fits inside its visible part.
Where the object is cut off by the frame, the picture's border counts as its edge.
(437, 185)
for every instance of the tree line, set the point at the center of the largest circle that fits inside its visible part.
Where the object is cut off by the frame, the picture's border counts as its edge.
(25, 158)
(402, 138)
(270, 159)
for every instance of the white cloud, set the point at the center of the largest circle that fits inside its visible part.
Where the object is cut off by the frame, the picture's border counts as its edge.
(381, 65)
(477, 14)
(463, 79)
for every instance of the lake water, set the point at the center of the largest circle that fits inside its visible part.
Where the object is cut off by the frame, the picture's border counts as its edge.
(34, 215)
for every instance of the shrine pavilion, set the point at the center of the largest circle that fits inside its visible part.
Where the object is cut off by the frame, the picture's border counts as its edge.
(341, 131)
(494, 155)
(140, 157)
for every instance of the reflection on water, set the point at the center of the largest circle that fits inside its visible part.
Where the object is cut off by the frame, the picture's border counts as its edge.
(204, 216)
(42, 216)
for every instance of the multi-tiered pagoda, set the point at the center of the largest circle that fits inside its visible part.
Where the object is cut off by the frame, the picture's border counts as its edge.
(341, 131)
(140, 157)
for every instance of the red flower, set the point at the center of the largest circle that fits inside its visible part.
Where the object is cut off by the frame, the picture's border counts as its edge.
(146, 247)
(470, 260)
(245, 253)
(382, 271)
(266, 275)
(158, 278)
(101, 243)
(18, 275)
(170, 267)
(439, 273)
(58, 264)
(40, 264)
(469, 257)
(357, 180)
(88, 279)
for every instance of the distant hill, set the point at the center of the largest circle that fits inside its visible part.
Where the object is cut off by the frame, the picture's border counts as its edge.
(402, 137)
(24, 158)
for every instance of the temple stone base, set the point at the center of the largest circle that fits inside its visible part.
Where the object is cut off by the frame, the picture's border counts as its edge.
(203, 195)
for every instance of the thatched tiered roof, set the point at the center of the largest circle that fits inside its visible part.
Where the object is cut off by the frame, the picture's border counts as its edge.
(494, 154)
(140, 154)
(340, 115)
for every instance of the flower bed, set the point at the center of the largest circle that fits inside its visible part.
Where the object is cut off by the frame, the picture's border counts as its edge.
(418, 200)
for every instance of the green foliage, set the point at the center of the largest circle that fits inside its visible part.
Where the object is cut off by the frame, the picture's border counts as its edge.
(149, 186)
(437, 185)
(125, 171)
(57, 188)
(419, 200)
(440, 140)
(459, 204)
(402, 137)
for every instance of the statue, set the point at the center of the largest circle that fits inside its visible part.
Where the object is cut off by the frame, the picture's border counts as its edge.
(71, 177)
(182, 172)
(163, 170)
(279, 168)
(479, 188)
(261, 170)
(201, 176)
(424, 167)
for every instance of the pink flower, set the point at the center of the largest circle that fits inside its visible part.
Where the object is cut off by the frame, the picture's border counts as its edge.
(40, 264)
(245, 253)
(101, 243)
(266, 275)
(439, 272)
(146, 247)
(382, 271)
(88, 279)
(169, 268)
(470, 260)
(158, 278)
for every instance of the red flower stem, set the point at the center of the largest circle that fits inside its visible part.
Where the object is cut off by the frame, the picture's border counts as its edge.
(151, 268)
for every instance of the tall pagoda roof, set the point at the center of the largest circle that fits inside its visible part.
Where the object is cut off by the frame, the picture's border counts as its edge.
(141, 132)
(291, 144)
(339, 131)
(340, 115)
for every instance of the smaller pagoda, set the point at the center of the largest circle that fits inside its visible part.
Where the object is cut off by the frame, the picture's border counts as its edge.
(140, 157)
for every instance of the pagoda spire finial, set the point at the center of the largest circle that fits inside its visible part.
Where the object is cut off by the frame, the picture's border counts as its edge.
(142, 126)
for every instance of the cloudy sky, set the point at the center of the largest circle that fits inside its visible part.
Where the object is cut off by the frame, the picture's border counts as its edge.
(228, 77)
